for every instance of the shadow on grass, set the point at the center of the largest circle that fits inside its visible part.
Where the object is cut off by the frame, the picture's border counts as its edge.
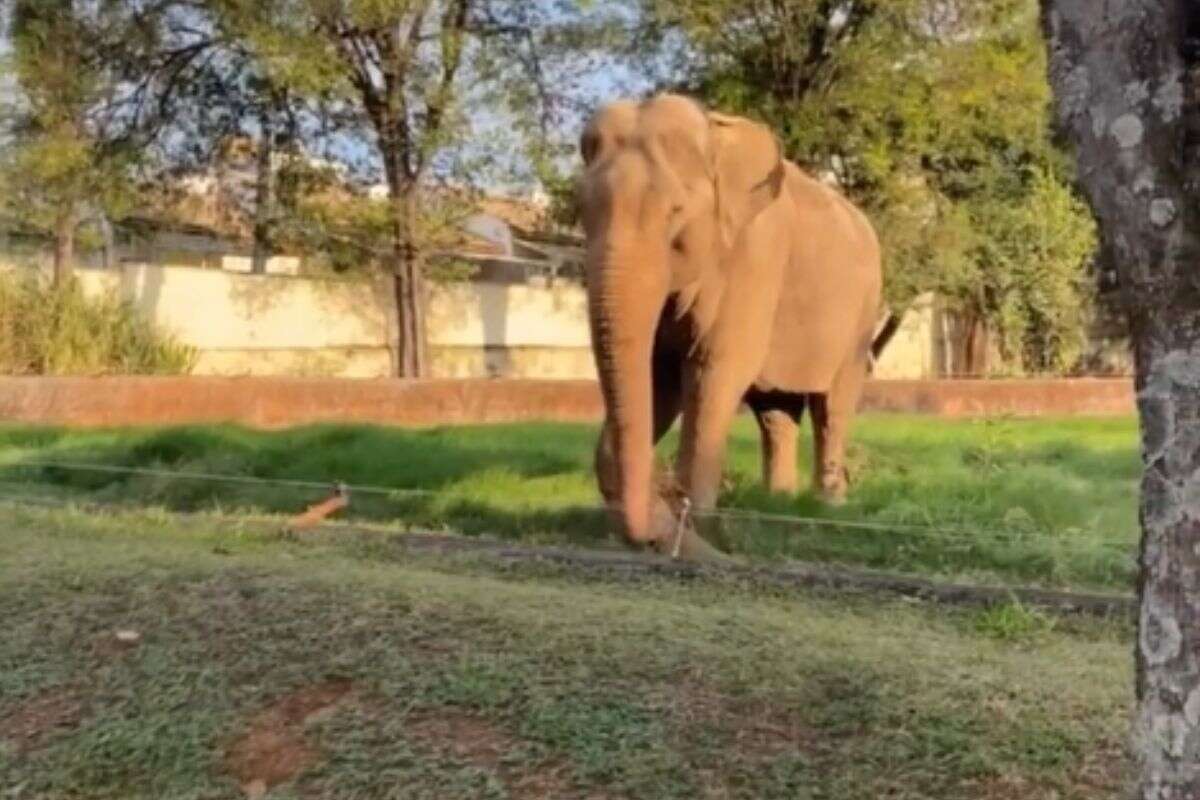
(1035, 501)
(389, 457)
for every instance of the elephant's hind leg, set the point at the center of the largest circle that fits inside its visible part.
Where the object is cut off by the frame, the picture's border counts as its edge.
(832, 414)
(778, 415)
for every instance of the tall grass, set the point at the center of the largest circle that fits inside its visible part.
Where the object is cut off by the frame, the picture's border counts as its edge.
(58, 330)
(1051, 501)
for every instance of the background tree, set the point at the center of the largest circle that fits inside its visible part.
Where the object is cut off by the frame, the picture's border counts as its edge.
(336, 226)
(933, 115)
(66, 151)
(94, 107)
(1126, 76)
(215, 96)
(399, 66)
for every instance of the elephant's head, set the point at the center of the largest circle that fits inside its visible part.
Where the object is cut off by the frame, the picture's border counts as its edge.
(666, 190)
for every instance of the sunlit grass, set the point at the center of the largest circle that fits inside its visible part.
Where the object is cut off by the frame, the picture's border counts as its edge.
(1047, 501)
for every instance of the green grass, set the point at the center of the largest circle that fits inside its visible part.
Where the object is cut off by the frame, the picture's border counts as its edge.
(58, 330)
(469, 681)
(1047, 501)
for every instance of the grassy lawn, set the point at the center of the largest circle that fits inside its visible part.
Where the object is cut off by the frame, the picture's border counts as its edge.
(1046, 501)
(344, 668)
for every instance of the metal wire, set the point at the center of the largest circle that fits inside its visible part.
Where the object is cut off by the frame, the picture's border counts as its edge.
(933, 531)
(212, 476)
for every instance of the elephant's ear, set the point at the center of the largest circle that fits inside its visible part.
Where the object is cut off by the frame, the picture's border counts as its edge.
(747, 172)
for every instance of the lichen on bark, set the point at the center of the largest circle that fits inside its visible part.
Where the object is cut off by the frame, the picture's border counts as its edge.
(1125, 74)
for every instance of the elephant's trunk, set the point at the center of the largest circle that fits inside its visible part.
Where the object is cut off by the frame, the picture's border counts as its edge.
(627, 289)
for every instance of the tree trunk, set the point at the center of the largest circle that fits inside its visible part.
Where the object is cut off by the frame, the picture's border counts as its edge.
(1125, 74)
(110, 242)
(264, 192)
(974, 346)
(971, 347)
(64, 247)
(408, 275)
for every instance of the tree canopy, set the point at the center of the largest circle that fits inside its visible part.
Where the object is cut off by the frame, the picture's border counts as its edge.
(66, 148)
(931, 114)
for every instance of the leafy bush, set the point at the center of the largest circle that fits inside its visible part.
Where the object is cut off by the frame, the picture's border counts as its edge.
(58, 330)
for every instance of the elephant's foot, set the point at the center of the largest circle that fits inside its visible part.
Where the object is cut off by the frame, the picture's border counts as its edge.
(833, 486)
(673, 530)
(783, 485)
(687, 545)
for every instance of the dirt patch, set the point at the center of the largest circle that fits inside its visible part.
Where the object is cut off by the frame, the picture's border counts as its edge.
(485, 745)
(38, 720)
(766, 736)
(755, 731)
(274, 749)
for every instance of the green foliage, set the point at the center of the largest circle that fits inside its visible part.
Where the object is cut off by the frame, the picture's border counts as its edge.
(345, 232)
(63, 156)
(934, 116)
(1012, 622)
(57, 330)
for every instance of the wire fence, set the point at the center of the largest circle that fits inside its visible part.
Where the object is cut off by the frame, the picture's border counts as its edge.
(731, 521)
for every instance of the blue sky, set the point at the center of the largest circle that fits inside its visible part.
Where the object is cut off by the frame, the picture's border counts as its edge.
(494, 137)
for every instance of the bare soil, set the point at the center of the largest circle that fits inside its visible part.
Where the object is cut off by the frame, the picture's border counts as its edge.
(38, 720)
(274, 748)
(482, 743)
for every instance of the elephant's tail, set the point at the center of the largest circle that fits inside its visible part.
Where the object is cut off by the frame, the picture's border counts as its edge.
(890, 325)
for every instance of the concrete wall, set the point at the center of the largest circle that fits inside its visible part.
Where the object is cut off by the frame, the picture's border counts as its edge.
(281, 325)
(262, 324)
(915, 350)
(510, 330)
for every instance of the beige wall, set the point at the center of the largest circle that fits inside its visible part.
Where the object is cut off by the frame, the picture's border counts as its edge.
(261, 324)
(280, 325)
(485, 329)
(914, 351)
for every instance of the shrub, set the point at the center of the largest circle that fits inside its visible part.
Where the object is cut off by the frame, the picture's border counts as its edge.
(58, 330)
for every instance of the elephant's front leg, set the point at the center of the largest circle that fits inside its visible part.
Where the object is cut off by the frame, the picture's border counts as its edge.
(712, 394)
(667, 400)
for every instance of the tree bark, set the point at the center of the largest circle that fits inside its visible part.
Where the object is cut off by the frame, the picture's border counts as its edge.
(1125, 74)
(409, 285)
(264, 191)
(64, 247)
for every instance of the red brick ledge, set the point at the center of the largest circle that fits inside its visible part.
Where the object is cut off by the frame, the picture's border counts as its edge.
(280, 402)
(1101, 397)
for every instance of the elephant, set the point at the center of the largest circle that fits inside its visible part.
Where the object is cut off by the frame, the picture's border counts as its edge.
(718, 273)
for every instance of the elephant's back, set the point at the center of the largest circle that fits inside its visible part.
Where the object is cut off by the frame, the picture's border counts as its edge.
(826, 216)
(830, 298)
